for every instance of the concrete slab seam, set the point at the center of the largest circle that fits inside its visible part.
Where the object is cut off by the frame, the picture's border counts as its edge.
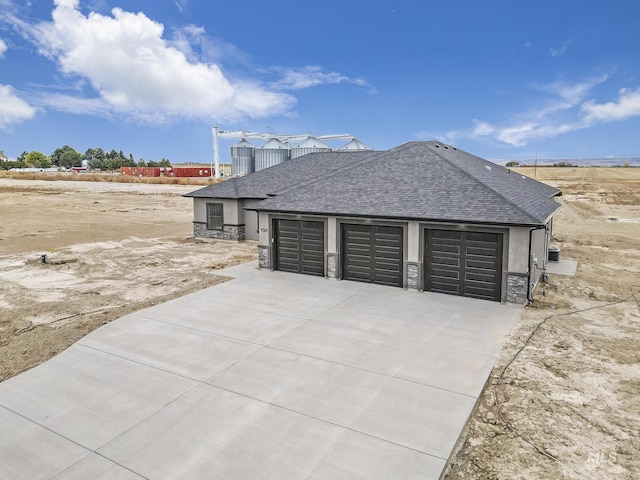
(58, 434)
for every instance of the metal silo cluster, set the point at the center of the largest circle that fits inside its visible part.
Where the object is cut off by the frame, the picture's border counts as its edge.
(246, 158)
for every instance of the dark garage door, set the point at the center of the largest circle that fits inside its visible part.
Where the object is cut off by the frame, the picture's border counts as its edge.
(300, 246)
(372, 254)
(464, 263)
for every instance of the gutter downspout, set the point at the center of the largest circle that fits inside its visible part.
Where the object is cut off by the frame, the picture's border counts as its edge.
(529, 282)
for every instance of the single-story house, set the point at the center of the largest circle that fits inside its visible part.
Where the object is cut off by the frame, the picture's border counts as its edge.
(423, 215)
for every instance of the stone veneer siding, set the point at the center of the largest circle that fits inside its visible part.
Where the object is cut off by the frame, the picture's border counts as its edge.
(517, 288)
(263, 256)
(228, 232)
(412, 275)
(331, 266)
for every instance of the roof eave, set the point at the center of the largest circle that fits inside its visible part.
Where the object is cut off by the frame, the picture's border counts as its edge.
(531, 223)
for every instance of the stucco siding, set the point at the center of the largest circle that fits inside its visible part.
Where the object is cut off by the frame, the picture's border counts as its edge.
(231, 210)
(250, 220)
(538, 253)
(518, 250)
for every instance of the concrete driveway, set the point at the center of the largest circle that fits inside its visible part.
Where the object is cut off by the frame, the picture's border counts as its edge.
(268, 376)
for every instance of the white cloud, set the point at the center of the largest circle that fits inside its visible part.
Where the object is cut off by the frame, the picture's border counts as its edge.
(565, 110)
(141, 75)
(181, 4)
(519, 135)
(3, 48)
(73, 104)
(573, 93)
(560, 51)
(482, 129)
(311, 76)
(627, 105)
(13, 109)
(127, 67)
(184, 39)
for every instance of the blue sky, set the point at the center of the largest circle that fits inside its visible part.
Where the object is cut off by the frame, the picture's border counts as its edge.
(500, 79)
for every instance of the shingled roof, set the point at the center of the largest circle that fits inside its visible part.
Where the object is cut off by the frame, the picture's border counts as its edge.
(281, 177)
(427, 181)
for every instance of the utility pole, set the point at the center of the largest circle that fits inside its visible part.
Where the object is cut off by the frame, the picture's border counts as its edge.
(216, 158)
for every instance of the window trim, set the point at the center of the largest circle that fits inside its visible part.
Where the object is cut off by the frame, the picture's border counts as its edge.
(215, 216)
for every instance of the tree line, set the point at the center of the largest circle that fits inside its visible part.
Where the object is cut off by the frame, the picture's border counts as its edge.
(68, 157)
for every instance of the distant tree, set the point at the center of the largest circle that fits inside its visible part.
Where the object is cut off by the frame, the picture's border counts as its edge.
(66, 156)
(21, 161)
(564, 164)
(129, 162)
(113, 161)
(512, 163)
(87, 156)
(141, 163)
(152, 163)
(165, 162)
(38, 160)
(95, 158)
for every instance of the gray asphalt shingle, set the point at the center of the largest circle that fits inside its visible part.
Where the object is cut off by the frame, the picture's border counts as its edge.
(416, 180)
(265, 182)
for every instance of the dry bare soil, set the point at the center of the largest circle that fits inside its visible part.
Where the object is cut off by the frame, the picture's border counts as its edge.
(568, 405)
(570, 398)
(111, 249)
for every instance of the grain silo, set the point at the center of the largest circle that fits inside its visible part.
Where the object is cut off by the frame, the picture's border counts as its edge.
(309, 145)
(243, 158)
(274, 152)
(354, 145)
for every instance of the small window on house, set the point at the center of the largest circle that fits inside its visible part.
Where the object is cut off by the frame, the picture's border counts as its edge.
(215, 219)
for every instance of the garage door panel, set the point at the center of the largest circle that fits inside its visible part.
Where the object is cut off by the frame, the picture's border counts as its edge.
(444, 261)
(446, 249)
(464, 263)
(482, 251)
(358, 250)
(484, 294)
(446, 287)
(450, 234)
(300, 246)
(480, 265)
(482, 237)
(313, 236)
(391, 243)
(389, 264)
(372, 254)
(471, 277)
(388, 256)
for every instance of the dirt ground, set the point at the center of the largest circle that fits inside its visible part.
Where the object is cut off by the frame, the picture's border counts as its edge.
(111, 249)
(568, 405)
(572, 393)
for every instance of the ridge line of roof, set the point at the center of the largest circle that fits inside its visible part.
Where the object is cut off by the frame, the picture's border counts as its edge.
(323, 175)
(367, 159)
(237, 181)
(483, 183)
